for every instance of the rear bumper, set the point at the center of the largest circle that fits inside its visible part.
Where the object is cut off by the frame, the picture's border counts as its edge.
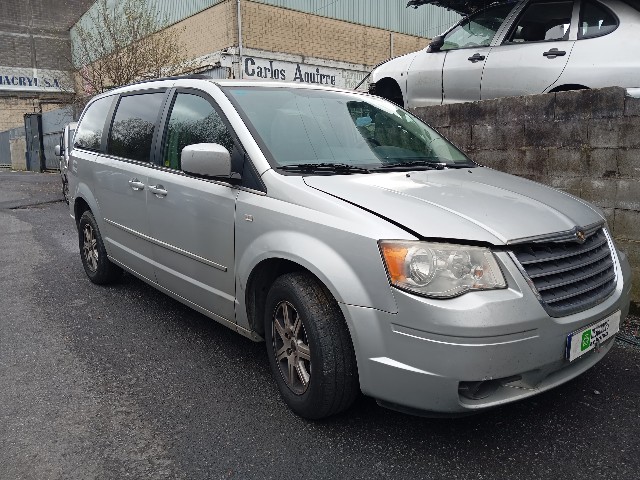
(420, 358)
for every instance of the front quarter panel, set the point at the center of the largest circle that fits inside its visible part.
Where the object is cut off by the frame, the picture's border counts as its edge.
(334, 240)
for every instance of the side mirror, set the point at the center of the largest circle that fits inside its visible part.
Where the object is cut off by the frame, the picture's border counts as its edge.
(208, 159)
(56, 151)
(436, 44)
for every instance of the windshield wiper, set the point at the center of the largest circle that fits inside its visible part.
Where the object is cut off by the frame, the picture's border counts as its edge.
(324, 167)
(412, 165)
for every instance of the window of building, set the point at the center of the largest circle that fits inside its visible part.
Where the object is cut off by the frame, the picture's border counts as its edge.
(543, 22)
(90, 130)
(133, 126)
(193, 120)
(596, 20)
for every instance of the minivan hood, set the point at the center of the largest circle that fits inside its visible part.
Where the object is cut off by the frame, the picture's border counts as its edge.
(475, 204)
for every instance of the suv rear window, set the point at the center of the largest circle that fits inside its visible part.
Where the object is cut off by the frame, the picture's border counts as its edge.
(91, 127)
(133, 126)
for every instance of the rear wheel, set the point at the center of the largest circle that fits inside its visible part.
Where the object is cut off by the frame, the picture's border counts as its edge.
(96, 264)
(309, 347)
(389, 89)
(65, 189)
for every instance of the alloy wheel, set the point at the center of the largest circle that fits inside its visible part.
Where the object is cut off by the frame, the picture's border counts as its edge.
(90, 248)
(291, 347)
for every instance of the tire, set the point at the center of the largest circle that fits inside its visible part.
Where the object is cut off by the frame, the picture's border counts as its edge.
(65, 189)
(96, 264)
(316, 372)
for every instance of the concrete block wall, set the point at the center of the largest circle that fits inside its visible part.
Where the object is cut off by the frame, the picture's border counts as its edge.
(18, 147)
(585, 142)
(13, 109)
(208, 31)
(282, 30)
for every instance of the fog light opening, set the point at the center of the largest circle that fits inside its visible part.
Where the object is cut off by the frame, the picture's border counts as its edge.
(485, 388)
(478, 390)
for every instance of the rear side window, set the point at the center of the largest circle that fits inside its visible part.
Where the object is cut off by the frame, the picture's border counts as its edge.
(193, 120)
(90, 130)
(134, 125)
(596, 20)
(543, 22)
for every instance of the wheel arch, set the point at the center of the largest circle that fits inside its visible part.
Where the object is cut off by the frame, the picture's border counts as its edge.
(83, 201)
(390, 89)
(260, 265)
(568, 87)
(263, 275)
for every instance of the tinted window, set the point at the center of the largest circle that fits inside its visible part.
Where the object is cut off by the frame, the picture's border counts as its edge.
(596, 20)
(541, 22)
(193, 120)
(92, 125)
(133, 126)
(478, 30)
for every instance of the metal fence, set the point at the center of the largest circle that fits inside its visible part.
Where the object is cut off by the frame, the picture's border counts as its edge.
(53, 123)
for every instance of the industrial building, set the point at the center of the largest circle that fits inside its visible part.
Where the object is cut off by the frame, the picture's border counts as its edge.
(333, 42)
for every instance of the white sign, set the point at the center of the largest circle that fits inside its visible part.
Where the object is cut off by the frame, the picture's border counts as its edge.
(34, 80)
(255, 68)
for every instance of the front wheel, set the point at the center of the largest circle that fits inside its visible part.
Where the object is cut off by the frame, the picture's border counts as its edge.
(309, 347)
(96, 264)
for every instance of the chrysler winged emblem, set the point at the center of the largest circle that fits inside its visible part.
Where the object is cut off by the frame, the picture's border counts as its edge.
(580, 235)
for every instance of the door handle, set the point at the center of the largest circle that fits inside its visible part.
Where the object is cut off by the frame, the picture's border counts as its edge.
(554, 52)
(476, 58)
(158, 190)
(136, 184)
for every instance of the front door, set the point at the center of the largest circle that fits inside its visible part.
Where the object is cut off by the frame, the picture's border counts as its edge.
(534, 53)
(467, 47)
(192, 219)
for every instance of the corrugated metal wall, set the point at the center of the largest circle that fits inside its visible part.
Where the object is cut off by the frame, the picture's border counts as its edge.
(426, 21)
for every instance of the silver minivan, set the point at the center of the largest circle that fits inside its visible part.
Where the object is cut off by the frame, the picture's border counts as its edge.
(519, 47)
(366, 251)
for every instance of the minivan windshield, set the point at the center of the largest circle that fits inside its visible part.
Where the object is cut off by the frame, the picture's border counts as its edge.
(313, 130)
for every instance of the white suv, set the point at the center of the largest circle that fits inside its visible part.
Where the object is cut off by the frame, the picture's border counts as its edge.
(520, 48)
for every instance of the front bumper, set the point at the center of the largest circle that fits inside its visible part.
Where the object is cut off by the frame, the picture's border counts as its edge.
(419, 358)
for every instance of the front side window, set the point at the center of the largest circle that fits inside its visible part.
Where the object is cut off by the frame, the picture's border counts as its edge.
(596, 21)
(298, 127)
(478, 30)
(133, 126)
(92, 125)
(543, 22)
(193, 120)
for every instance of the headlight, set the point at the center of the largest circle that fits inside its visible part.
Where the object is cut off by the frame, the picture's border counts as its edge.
(440, 270)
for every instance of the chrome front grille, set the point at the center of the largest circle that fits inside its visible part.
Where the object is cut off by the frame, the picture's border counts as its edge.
(567, 276)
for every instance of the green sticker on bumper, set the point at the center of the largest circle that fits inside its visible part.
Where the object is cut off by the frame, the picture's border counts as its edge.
(586, 340)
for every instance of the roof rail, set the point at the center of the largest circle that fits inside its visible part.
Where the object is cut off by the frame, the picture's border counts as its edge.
(193, 76)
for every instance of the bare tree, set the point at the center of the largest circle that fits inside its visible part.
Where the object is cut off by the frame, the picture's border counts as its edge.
(124, 41)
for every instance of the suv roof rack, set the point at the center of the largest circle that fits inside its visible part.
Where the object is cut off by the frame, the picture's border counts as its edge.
(193, 76)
